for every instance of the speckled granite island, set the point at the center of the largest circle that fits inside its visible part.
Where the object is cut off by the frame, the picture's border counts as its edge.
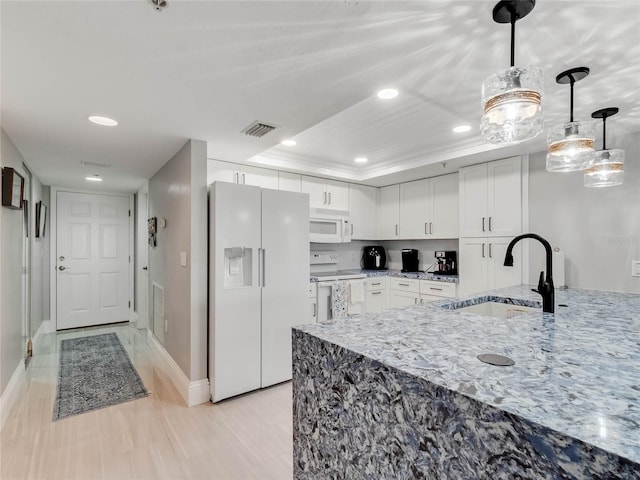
(401, 394)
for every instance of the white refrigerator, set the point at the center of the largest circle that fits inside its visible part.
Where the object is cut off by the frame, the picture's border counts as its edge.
(258, 285)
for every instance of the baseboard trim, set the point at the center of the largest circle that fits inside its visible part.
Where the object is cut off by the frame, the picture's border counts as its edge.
(45, 327)
(193, 393)
(12, 392)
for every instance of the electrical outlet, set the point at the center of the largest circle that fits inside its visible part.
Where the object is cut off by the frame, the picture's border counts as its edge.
(635, 268)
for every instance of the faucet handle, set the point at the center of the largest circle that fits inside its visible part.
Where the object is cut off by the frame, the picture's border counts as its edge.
(540, 284)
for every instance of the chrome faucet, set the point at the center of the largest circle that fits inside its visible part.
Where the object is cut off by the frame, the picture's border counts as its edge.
(545, 285)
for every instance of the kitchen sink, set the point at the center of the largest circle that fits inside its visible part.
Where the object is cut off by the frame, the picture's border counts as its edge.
(498, 310)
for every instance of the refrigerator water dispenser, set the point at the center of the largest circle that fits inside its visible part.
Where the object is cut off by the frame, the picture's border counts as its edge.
(237, 267)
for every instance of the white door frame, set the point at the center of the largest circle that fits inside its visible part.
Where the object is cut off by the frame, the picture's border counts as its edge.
(53, 257)
(143, 291)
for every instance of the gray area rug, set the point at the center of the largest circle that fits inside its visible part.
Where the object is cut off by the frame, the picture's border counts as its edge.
(95, 372)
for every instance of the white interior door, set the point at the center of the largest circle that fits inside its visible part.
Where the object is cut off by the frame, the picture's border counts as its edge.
(92, 259)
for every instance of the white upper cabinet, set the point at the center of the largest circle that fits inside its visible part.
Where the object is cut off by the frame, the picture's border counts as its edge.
(291, 182)
(414, 206)
(363, 207)
(443, 207)
(491, 199)
(324, 193)
(218, 170)
(389, 212)
(429, 208)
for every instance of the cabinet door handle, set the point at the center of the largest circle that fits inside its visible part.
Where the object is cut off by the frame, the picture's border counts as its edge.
(378, 283)
(236, 180)
(434, 288)
(425, 228)
(376, 293)
(396, 229)
(415, 301)
(490, 224)
(329, 198)
(430, 228)
(483, 224)
(490, 256)
(352, 229)
(243, 178)
(315, 310)
(404, 284)
(483, 250)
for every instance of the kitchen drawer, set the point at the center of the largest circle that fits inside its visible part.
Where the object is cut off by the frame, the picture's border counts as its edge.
(439, 289)
(405, 284)
(313, 289)
(375, 283)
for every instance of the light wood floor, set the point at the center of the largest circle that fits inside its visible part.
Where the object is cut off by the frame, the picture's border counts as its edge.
(158, 437)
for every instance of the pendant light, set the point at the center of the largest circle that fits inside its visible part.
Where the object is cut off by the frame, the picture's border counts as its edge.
(511, 99)
(608, 168)
(571, 144)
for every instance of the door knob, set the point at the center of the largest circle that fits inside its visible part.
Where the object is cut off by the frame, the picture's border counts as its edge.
(61, 268)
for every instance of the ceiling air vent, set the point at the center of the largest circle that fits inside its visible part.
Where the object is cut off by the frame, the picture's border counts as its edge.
(95, 164)
(258, 129)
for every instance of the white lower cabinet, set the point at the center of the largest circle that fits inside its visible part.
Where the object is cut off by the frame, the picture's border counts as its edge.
(313, 302)
(481, 264)
(377, 298)
(431, 291)
(403, 292)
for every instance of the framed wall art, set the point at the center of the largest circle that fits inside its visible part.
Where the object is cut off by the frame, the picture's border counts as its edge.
(41, 219)
(12, 188)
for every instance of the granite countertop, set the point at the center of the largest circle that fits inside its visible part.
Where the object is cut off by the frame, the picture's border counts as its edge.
(576, 371)
(398, 273)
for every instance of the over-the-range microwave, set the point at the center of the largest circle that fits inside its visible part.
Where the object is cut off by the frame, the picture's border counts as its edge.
(329, 226)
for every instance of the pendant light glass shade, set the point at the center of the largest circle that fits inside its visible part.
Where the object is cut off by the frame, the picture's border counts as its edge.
(608, 167)
(512, 109)
(511, 99)
(571, 144)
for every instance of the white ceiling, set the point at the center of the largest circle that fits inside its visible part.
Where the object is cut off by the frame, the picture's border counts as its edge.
(206, 70)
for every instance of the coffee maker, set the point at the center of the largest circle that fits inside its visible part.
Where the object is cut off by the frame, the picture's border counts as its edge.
(374, 258)
(446, 263)
(409, 260)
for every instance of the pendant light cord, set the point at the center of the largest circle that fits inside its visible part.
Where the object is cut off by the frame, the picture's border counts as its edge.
(604, 132)
(513, 36)
(571, 82)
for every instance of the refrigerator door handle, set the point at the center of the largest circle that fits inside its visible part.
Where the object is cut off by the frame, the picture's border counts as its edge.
(264, 275)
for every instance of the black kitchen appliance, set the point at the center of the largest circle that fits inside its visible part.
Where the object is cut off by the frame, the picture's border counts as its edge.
(410, 260)
(446, 263)
(374, 258)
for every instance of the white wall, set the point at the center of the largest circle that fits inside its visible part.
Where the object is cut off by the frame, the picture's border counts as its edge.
(178, 194)
(12, 347)
(597, 228)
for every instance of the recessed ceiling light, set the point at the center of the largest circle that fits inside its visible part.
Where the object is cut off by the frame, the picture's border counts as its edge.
(388, 93)
(104, 121)
(95, 178)
(288, 143)
(361, 160)
(462, 128)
